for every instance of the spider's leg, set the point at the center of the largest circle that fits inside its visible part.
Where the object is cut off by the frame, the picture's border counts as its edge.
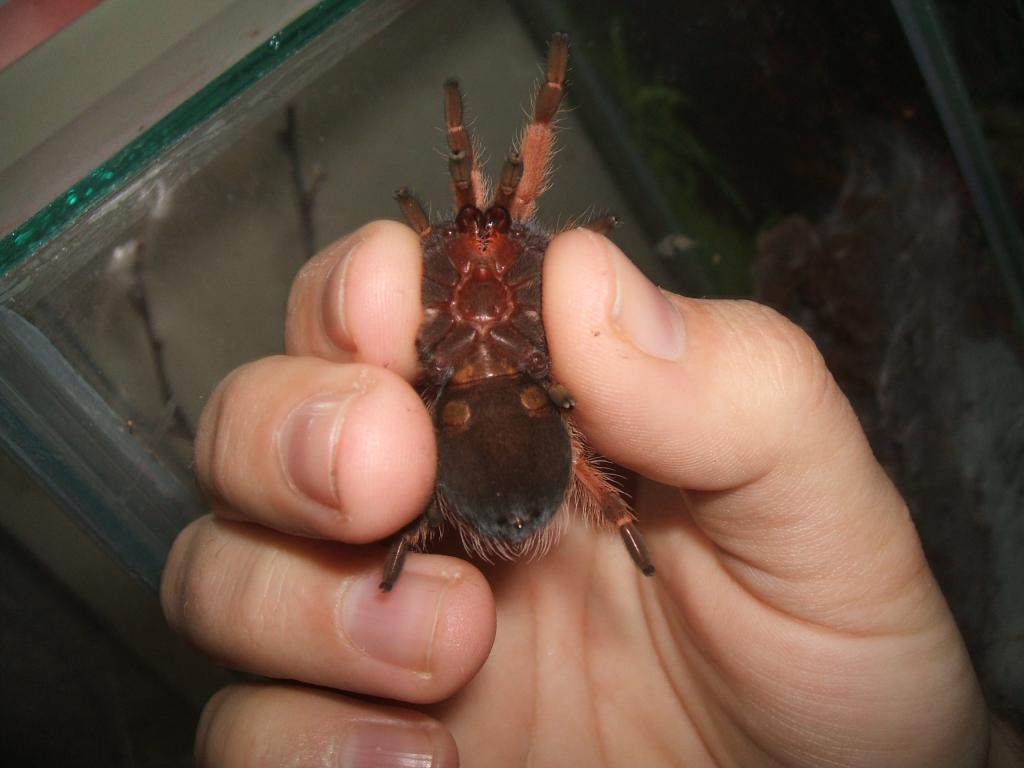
(560, 396)
(603, 224)
(413, 211)
(614, 509)
(467, 180)
(538, 136)
(412, 537)
(393, 564)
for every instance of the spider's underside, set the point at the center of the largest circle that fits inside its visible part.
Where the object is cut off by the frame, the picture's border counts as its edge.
(509, 456)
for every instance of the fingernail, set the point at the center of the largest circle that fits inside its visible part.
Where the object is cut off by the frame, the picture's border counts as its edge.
(308, 443)
(379, 745)
(396, 627)
(640, 309)
(334, 321)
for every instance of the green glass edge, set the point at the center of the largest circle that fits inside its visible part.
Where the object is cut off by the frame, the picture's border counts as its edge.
(922, 24)
(46, 223)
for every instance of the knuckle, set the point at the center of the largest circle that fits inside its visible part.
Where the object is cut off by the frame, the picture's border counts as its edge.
(231, 729)
(302, 300)
(261, 605)
(789, 362)
(206, 447)
(210, 731)
(224, 591)
(183, 590)
(170, 579)
(223, 427)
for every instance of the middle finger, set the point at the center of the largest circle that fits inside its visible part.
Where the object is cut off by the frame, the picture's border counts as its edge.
(315, 448)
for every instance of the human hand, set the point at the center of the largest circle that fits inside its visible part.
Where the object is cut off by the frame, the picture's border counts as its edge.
(792, 621)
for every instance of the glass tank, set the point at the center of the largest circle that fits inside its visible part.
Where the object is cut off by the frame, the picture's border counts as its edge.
(859, 166)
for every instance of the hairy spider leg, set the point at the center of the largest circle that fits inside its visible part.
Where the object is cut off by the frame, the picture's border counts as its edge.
(614, 509)
(413, 537)
(467, 179)
(538, 136)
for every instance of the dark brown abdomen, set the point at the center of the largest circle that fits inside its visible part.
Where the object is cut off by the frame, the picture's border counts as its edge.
(504, 456)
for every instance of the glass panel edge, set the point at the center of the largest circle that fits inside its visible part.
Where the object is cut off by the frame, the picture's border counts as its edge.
(110, 175)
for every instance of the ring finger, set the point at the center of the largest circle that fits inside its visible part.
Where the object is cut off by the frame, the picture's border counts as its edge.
(309, 610)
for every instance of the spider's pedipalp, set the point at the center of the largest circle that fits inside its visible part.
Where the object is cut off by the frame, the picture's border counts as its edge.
(538, 136)
(413, 212)
(468, 188)
(461, 170)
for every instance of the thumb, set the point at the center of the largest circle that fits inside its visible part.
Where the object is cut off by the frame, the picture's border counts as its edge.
(733, 404)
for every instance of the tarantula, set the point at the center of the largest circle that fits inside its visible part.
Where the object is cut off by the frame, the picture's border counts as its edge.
(509, 455)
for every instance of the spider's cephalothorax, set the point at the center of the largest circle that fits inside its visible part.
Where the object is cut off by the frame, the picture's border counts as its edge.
(509, 456)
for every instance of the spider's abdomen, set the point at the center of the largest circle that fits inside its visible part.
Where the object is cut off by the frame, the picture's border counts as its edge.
(504, 456)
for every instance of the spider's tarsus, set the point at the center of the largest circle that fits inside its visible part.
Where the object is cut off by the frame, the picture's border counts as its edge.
(561, 396)
(393, 564)
(458, 138)
(550, 95)
(636, 547)
(558, 56)
(604, 224)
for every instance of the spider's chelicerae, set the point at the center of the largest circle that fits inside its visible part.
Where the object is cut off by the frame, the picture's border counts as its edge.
(509, 456)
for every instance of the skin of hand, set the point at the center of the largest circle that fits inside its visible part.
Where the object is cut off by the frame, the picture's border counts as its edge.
(792, 621)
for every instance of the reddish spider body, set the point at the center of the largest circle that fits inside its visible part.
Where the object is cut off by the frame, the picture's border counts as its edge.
(482, 346)
(508, 455)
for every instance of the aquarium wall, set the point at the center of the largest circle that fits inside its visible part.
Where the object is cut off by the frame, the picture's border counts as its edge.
(859, 167)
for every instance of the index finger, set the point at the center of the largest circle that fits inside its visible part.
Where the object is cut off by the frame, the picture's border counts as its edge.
(358, 300)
